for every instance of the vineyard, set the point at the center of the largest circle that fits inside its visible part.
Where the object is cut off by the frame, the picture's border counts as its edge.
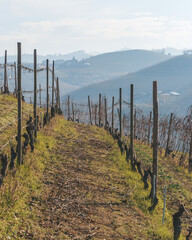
(152, 152)
(174, 131)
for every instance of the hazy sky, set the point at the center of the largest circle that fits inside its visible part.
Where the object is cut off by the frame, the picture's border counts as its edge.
(63, 26)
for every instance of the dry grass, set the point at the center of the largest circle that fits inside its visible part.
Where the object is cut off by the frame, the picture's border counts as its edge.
(177, 179)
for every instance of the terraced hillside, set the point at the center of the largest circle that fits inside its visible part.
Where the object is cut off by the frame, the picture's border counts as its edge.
(77, 185)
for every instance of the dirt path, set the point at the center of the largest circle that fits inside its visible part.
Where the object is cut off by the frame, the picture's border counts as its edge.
(85, 195)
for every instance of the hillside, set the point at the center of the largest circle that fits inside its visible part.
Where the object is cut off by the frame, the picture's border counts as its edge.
(28, 58)
(174, 75)
(74, 74)
(8, 116)
(78, 185)
(106, 66)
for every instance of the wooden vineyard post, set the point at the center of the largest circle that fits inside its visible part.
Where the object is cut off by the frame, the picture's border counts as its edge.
(15, 71)
(35, 93)
(69, 108)
(89, 105)
(73, 111)
(47, 68)
(41, 120)
(135, 124)
(112, 120)
(120, 111)
(131, 124)
(155, 140)
(95, 114)
(100, 110)
(149, 129)
(55, 92)
(169, 134)
(19, 97)
(57, 96)
(58, 93)
(5, 74)
(53, 80)
(105, 112)
(37, 122)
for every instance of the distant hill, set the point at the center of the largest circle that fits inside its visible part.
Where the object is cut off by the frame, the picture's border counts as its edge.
(174, 78)
(74, 73)
(108, 65)
(28, 58)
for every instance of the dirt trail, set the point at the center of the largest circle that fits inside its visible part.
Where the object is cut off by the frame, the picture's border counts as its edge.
(85, 195)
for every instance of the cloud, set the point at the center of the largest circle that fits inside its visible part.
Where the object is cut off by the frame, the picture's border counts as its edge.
(110, 28)
(91, 27)
(69, 34)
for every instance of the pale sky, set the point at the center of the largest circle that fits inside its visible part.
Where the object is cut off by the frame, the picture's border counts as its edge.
(63, 26)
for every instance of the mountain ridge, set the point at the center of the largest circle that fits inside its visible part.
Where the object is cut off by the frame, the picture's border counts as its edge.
(107, 65)
(173, 75)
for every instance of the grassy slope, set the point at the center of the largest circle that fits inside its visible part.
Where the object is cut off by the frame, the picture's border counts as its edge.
(77, 185)
(8, 118)
(8, 114)
(177, 179)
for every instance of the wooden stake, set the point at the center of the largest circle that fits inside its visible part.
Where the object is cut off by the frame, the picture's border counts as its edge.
(15, 71)
(100, 110)
(149, 129)
(41, 120)
(73, 112)
(35, 93)
(169, 134)
(55, 90)
(120, 111)
(5, 74)
(155, 139)
(131, 124)
(19, 97)
(135, 124)
(58, 95)
(105, 112)
(69, 108)
(112, 120)
(95, 114)
(47, 68)
(53, 80)
(89, 104)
